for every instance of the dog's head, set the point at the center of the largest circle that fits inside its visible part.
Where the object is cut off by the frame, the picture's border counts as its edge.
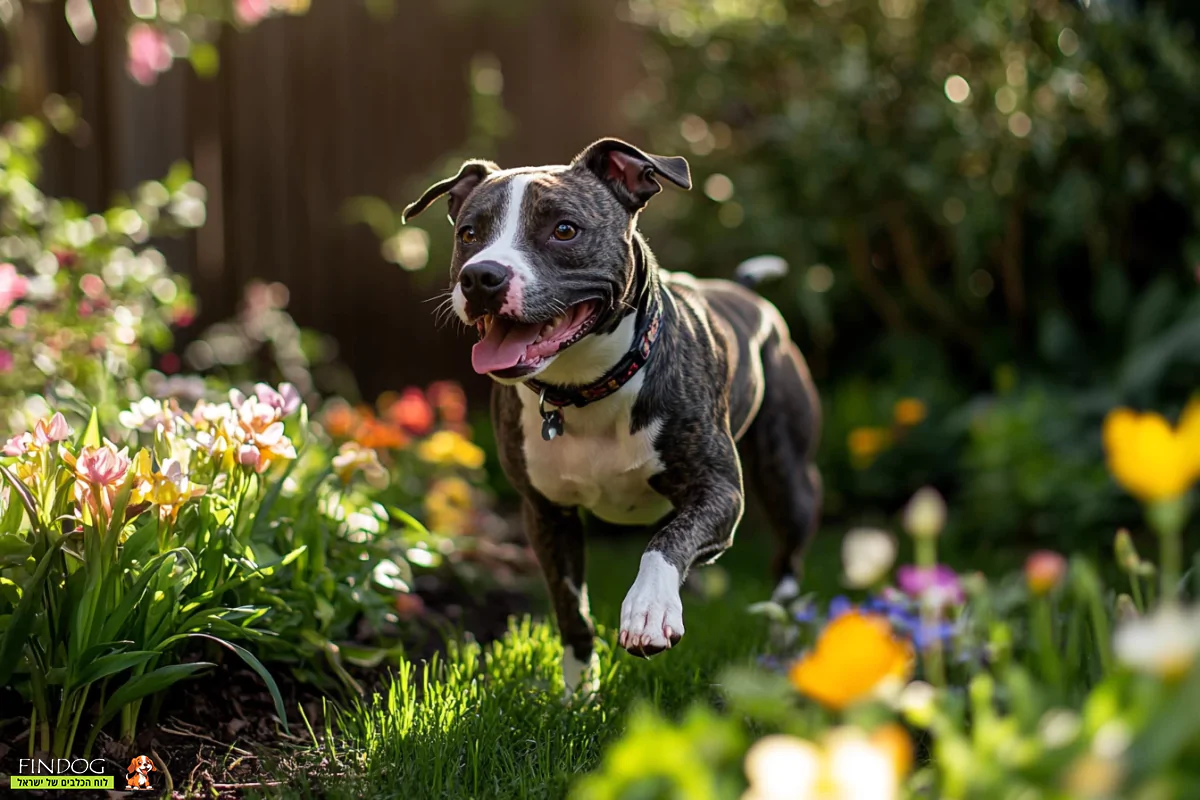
(543, 256)
(141, 765)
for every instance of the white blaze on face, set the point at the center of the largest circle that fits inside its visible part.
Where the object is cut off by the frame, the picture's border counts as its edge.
(504, 248)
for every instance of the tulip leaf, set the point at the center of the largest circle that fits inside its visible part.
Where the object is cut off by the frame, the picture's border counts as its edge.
(91, 434)
(255, 665)
(17, 632)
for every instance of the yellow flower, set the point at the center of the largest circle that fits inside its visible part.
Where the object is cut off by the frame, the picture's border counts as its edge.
(866, 443)
(909, 411)
(1148, 458)
(848, 765)
(168, 488)
(353, 457)
(856, 657)
(450, 448)
(448, 505)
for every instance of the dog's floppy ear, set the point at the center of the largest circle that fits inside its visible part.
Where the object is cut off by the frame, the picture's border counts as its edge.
(132, 765)
(630, 173)
(459, 188)
(152, 767)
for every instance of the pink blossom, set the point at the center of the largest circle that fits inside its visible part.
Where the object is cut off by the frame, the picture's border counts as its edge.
(92, 286)
(938, 586)
(251, 12)
(6, 361)
(284, 401)
(149, 53)
(19, 317)
(12, 286)
(18, 445)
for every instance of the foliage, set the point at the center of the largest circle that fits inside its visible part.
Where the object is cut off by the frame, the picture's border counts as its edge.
(996, 208)
(1015, 687)
(229, 521)
(84, 297)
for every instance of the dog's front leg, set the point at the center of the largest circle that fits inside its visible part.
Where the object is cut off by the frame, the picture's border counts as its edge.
(708, 500)
(557, 537)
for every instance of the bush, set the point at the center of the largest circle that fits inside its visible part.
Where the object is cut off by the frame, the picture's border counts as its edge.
(966, 192)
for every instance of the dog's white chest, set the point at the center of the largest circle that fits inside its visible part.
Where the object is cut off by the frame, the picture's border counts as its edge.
(597, 463)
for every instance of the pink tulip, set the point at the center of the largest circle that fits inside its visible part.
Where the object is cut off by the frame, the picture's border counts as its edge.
(285, 400)
(148, 54)
(12, 286)
(251, 12)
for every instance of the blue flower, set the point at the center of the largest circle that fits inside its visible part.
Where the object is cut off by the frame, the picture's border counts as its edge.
(838, 606)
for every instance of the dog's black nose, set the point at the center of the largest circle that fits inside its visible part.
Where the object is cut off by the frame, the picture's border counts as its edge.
(482, 283)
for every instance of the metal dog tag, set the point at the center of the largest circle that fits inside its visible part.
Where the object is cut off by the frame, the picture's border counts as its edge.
(552, 421)
(552, 425)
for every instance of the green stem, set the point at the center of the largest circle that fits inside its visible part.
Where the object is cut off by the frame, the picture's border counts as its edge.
(935, 666)
(1167, 517)
(1043, 628)
(1135, 585)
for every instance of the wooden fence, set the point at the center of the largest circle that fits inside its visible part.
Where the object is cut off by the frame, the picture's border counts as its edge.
(310, 111)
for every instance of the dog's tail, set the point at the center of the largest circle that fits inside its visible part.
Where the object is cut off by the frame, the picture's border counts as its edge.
(753, 271)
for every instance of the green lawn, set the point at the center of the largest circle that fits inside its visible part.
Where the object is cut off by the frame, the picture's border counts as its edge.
(491, 723)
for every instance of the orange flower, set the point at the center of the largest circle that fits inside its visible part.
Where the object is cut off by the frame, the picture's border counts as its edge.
(378, 435)
(339, 419)
(450, 401)
(856, 656)
(412, 412)
(909, 411)
(866, 443)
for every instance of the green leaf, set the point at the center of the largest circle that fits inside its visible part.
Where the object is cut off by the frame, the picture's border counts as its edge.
(255, 665)
(26, 498)
(91, 434)
(108, 665)
(18, 629)
(148, 684)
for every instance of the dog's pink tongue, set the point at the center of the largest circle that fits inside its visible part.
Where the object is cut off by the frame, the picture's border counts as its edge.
(503, 346)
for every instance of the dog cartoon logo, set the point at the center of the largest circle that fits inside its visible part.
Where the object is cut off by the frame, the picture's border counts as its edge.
(139, 770)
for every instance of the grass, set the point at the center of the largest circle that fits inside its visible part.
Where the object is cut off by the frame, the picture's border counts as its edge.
(490, 722)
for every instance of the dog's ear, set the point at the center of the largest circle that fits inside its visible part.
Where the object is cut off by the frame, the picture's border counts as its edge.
(630, 173)
(459, 188)
(152, 767)
(132, 765)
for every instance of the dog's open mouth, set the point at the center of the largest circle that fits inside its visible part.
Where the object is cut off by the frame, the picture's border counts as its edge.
(510, 348)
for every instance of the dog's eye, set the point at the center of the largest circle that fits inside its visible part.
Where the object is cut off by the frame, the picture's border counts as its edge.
(565, 231)
(467, 235)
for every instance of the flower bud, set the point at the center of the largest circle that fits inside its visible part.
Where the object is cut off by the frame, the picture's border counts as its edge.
(1126, 610)
(1127, 555)
(925, 514)
(247, 455)
(867, 556)
(1043, 571)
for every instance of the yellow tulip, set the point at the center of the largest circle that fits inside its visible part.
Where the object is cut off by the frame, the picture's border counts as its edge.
(856, 656)
(1149, 458)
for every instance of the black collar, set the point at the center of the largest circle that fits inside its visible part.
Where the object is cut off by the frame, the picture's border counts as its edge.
(579, 396)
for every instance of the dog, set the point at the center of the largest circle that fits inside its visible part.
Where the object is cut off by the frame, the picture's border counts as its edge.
(641, 395)
(139, 770)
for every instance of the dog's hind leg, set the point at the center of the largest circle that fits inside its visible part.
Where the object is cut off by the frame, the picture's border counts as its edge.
(777, 457)
(557, 537)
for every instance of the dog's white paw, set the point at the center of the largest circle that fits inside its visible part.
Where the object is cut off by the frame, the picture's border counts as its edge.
(652, 614)
(580, 677)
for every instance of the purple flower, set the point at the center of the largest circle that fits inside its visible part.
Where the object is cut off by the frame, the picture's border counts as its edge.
(937, 586)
